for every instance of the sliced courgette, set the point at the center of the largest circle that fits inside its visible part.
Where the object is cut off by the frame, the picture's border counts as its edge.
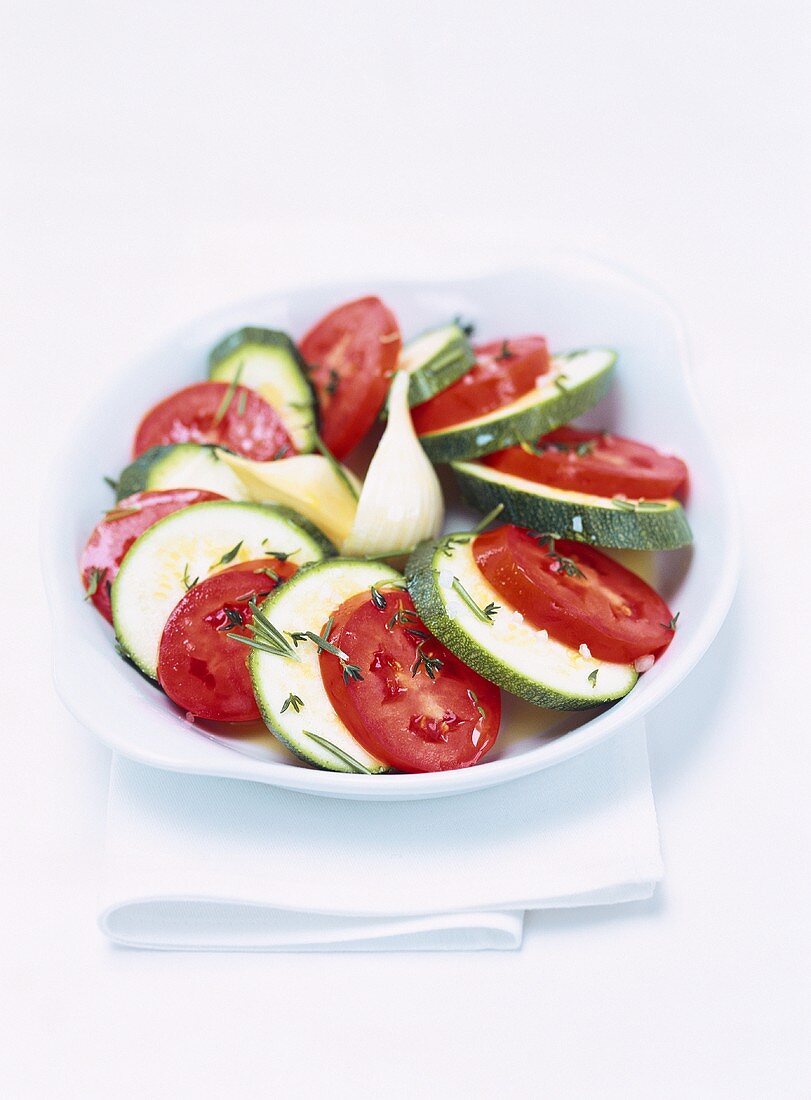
(577, 381)
(269, 362)
(435, 360)
(180, 466)
(289, 689)
(600, 521)
(444, 580)
(190, 545)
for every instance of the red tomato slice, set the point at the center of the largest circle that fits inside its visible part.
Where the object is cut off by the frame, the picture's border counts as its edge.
(605, 605)
(594, 462)
(247, 425)
(199, 667)
(397, 711)
(352, 354)
(504, 371)
(117, 531)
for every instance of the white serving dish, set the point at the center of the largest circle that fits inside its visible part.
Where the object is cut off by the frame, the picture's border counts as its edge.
(576, 301)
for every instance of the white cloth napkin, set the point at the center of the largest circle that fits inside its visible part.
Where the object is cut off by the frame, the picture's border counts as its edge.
(214, 864)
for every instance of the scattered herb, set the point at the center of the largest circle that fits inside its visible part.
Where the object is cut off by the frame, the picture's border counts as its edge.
(485, 614)
(333, 381)
(378, 599)
(547, 539)
(268, 572)
(559, 383)
(467, 327)
(234, 617)
(488, 519)
(187, 581)
(94, 578)
(112, 483)
(473, 697)
(432, 665)
(279, 555)
(266, 636)
(292, 701)
(229, 556)
(282, 451)
(228, 396)
(650, 505)
(344, 757)
(593, 677)
(242, 402)
(586, 447)
(672, 624)
(351, 672)
(505, 352)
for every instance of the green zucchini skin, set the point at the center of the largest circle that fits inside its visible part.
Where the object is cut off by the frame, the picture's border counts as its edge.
(290, 375)
(602, 524)
(526, 418)
(421, 575)
(442, 369)
(157, 469)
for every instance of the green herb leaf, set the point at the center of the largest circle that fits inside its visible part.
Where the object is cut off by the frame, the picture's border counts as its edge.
(593, 677)
(473, 697)
(279, 555)
(505, 352)
(672, 624)
(234, 617)
(94, 578)
(432, 665)
(112, 483)
(229, 556)
(559, 383)
(378, 599)
(292, 701)
(467, 327)
(282, 451)
(484, 614)
(266, 636)
(333, 382)
(488, 519)
(187, 581)
(344, 757)
(268, 572)
(566, 565)
(228, 396)
(350, 672)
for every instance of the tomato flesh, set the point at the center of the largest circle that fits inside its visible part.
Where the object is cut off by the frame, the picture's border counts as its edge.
(117, 531)
(607, 607)
(352, 354)
(247, 425)
(397, 711)
(504, 371)
(199, 667)
(594, 462)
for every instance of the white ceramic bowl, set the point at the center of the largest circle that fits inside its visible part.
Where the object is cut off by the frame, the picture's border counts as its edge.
(576, 302)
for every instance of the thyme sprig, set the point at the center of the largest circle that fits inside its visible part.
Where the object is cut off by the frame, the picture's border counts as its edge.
(188, 583)
(673, 622)
(280, 555)
(566, 565)
(484, 614)
(294, 701)
(378, 599)
(593, 677)
(94, 578)
(450, 542)
(234, 617)
(432, 665)
(229, 555)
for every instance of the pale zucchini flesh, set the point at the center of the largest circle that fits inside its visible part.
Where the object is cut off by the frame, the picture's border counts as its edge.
(508, 650)
(584, 517)
(268, 361)
(435, 360)
(180, 466)
(190, 545)
(305, 602)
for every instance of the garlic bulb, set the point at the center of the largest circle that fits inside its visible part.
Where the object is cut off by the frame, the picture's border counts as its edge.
(318, 487)
(401, 500)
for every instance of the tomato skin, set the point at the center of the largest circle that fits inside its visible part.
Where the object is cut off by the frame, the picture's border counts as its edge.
(115, 533)
(613, 465)
(200, 668)
(352, 354)
(249, 426)
(494, 381)
(610, 609)
(410, 722)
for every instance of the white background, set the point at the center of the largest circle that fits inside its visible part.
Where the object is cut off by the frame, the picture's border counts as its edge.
(159, 159)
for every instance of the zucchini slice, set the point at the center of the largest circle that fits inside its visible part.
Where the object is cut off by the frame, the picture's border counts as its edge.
(578, 380)
(506, 649)
(600, 521)
(269, 362)
(180, 466)
(305, 602)
(193, 544)
(434, 360)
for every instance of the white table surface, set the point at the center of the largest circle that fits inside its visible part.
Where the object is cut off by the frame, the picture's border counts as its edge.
(158, 160)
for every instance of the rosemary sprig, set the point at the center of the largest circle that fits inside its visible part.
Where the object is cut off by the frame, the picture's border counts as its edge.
(593, 677)
(344, 757)
(293, 701)
(488, 519)
(484, 614)
(378, 599)
(229, 555)
(403, 616)
(188, 583)
(432, 665)
(94, 579)
(266, 636)
(228, 396)
(350, 671)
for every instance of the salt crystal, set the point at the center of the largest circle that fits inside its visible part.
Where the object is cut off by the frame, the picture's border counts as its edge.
(577, 524)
